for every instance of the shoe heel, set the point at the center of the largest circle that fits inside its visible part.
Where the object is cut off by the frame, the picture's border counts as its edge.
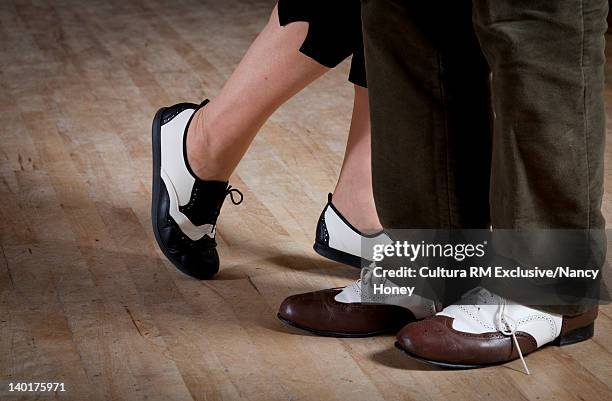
(575, 336)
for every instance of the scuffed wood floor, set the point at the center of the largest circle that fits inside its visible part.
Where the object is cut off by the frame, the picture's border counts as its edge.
(85, 296)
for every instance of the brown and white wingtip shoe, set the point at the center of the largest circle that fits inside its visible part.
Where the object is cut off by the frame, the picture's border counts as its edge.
(347, 312)
(184, 208)
(491, 331)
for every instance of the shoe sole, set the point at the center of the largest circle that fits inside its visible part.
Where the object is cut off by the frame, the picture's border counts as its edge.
(340, 256)
(156, 190)
(332, 333)
(573, 337)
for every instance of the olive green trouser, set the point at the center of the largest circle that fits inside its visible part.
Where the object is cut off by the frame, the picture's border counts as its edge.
(487, 113)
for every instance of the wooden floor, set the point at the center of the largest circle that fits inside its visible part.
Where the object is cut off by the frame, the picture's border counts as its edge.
(85, 296)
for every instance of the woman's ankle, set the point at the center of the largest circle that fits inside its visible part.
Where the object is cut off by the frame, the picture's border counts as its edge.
(200, 151)
(358, 208)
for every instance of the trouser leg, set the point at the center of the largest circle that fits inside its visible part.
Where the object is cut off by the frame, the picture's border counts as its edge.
(431, 115)
(547, 60)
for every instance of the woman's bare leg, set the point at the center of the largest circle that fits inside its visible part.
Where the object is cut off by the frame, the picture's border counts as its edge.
(353, 195)
(271, 72)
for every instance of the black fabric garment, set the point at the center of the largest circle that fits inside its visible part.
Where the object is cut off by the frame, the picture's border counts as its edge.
(334, 32)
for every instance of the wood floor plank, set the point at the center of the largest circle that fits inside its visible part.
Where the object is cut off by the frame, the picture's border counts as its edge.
(87, 298)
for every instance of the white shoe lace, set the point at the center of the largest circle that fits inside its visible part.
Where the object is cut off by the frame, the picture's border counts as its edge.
(367, 278)
(507, 326)
(367, 273)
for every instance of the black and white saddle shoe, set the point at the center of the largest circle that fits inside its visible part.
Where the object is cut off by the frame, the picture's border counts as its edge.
(338, 240)
(184, 208)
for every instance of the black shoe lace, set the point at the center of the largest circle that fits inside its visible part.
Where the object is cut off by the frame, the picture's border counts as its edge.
(231, 191)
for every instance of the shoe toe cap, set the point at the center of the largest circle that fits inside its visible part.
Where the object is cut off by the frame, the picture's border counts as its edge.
(202, 264)
(287, 309)
(320, 313)
(429, 339)
(305, 310)
(435, 340)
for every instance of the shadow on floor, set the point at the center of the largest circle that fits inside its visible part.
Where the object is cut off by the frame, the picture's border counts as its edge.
(394, 358)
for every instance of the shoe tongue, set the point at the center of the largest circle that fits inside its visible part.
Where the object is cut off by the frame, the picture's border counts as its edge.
(213, 189)
(206, 200)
